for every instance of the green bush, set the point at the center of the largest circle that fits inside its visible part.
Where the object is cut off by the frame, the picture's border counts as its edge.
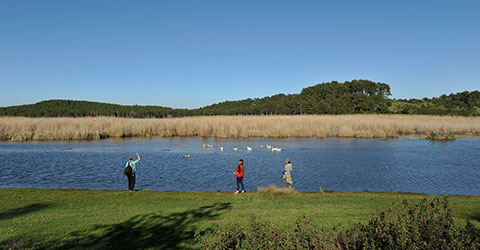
(440, 136)
(263, 235)
(427, 225)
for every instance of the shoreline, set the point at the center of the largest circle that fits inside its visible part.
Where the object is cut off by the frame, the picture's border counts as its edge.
(249, 192)
(403, 137)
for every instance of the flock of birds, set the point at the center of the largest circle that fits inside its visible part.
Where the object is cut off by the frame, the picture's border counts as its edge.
(269, 147)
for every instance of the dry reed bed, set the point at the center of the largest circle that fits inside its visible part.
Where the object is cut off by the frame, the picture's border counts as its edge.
(320, 126)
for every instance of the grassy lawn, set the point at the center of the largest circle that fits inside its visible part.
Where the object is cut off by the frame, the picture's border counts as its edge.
(84, 219)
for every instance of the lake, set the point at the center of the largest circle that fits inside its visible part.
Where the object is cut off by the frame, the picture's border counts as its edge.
(350, 165)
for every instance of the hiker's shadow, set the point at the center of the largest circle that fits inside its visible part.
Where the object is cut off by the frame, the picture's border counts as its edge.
(153, 230)
(16, 212)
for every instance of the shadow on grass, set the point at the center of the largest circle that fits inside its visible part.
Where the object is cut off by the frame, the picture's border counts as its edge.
(16, 212)
(475, 217)
(173, 231)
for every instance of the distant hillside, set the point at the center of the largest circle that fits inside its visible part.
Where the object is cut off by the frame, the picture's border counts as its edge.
(69, 108)
(350, 97)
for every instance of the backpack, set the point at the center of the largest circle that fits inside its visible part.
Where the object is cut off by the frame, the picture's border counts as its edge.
(128, 170)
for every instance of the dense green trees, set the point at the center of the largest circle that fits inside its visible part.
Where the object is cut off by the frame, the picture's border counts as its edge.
(463, 103)
(68, 108)
(350, 97)
(355, 97)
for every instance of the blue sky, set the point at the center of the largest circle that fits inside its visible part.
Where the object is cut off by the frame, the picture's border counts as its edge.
(195, 53)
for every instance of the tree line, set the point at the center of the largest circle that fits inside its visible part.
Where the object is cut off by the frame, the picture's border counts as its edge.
(464, 103)
(350, 97)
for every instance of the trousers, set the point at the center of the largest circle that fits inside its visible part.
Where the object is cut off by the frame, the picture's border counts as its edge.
(131, 181)
(240, 182)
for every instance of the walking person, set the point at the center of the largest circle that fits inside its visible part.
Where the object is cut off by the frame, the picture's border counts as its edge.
(287, 174)
(240, 173)
(131, 176)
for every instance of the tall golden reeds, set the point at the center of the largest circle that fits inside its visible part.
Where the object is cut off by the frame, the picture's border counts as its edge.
(319, 126)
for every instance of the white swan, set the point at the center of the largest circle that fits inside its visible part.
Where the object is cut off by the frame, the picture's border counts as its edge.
(249, 148)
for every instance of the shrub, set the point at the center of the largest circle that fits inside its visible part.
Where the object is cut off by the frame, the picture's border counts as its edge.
(441, 136)
(427, 225)
(470, 237)
(264, 235)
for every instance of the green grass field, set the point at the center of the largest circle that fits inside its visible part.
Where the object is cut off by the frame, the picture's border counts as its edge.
(84, 219)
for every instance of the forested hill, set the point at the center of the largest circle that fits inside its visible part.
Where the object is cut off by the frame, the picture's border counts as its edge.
(350, 97)
(357, 96)
(70, 108)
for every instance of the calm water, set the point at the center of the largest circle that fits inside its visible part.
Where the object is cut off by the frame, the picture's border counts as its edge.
(402, 165)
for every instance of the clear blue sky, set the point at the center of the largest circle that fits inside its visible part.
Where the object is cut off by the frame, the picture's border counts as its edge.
(195, 53)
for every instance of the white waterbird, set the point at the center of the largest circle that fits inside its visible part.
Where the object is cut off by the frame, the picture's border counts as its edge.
(275, 149)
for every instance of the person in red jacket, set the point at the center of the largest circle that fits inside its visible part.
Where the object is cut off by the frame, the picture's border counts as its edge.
(240, 173)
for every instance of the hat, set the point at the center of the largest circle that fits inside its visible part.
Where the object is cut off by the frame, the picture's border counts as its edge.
(288, 160)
